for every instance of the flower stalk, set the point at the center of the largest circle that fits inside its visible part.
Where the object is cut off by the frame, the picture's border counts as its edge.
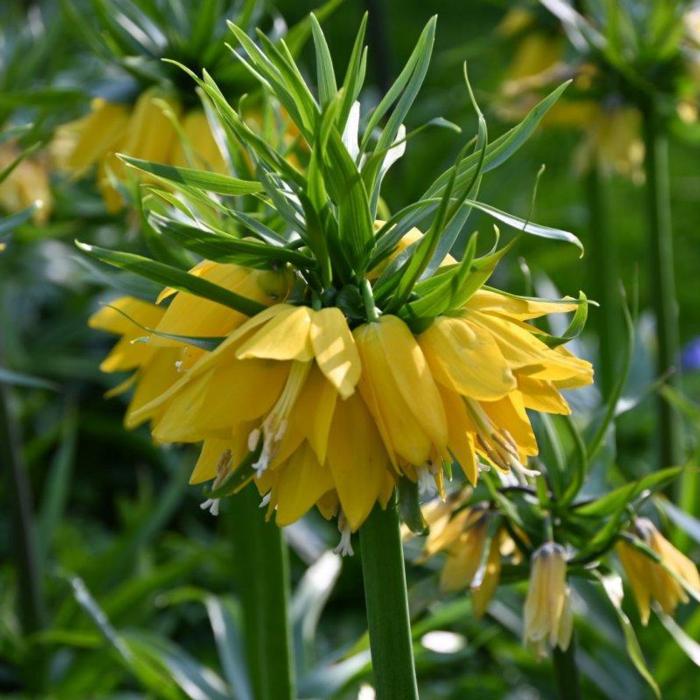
(566, 674)
(663, 286)
(387, 605)
(603, 278)
(262, 569)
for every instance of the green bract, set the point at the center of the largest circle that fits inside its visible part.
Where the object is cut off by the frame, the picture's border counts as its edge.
(310, 195)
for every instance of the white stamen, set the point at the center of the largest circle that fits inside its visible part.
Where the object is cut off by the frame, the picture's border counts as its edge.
(211, 504)
(265, 500)
(344, 547)
(426, 482)
(275, 424)
(178, 365)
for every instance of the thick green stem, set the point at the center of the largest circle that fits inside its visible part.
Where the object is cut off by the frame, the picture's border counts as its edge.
(603, 278)
(663, 287)
(262, 573)
(387, 605)
(566, 672)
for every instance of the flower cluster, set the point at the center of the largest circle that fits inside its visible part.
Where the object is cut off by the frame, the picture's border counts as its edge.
(320, 352)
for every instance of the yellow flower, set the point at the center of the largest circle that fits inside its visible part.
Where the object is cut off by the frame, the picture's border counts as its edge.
(154, 368)
(462, 534)
(143, 131)
(548, 619)
(27, 184)
(289, 374)
(490, 367)
(612, 139)
(159, 361)
(661, 582)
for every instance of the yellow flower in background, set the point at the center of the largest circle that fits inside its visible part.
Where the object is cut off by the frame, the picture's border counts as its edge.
(613, 140)
(472, 557)
(548, 619)
(145, 130)
(611, 129)
(26, 185)
(664, 583)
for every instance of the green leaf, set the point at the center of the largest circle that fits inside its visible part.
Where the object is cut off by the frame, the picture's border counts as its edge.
(354, 75)
(8, 376)
(222, 247)
(201, 179)
(526, 226)
(614, 500)
(10, 223)
(613, 590)
(169, 276)
(58, 482)
(327, 87)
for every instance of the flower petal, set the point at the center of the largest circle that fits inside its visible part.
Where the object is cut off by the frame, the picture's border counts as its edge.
(335, 350)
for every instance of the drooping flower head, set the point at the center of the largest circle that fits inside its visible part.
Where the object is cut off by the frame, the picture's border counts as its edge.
(385, 358)
(548, 618)
(665, 581)
(146, 113)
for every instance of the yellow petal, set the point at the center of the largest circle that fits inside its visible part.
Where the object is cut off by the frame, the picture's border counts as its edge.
(284, 337)
(401, 431)
(109, 318)
(509, 414)
(154, 378)
(539, 395)
(413, 377)
(313, 412)
(357, 459)
(221, 400)
(465, 357)
(482, 594)
(94, 135)
(520, 308)
(335, 351)
(460, 434)
(127, 354)
(301, 482)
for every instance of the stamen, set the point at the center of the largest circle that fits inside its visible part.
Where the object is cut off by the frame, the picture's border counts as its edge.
(498, 444)
(265, 500)
(344, 547)
(275, 424)
(211, 504)
(426, 481)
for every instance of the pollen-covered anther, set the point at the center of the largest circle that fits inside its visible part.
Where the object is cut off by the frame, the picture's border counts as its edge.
(223, 469)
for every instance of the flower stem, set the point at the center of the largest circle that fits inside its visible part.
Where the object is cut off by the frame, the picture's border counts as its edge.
(262, 568)
(387, 605)
(566, 672)
(602, 260)
(663, 287)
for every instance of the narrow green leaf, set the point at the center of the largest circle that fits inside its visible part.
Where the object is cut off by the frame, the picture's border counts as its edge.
(327, 87)
(173, 277)
(613, 590)
(201, 179)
